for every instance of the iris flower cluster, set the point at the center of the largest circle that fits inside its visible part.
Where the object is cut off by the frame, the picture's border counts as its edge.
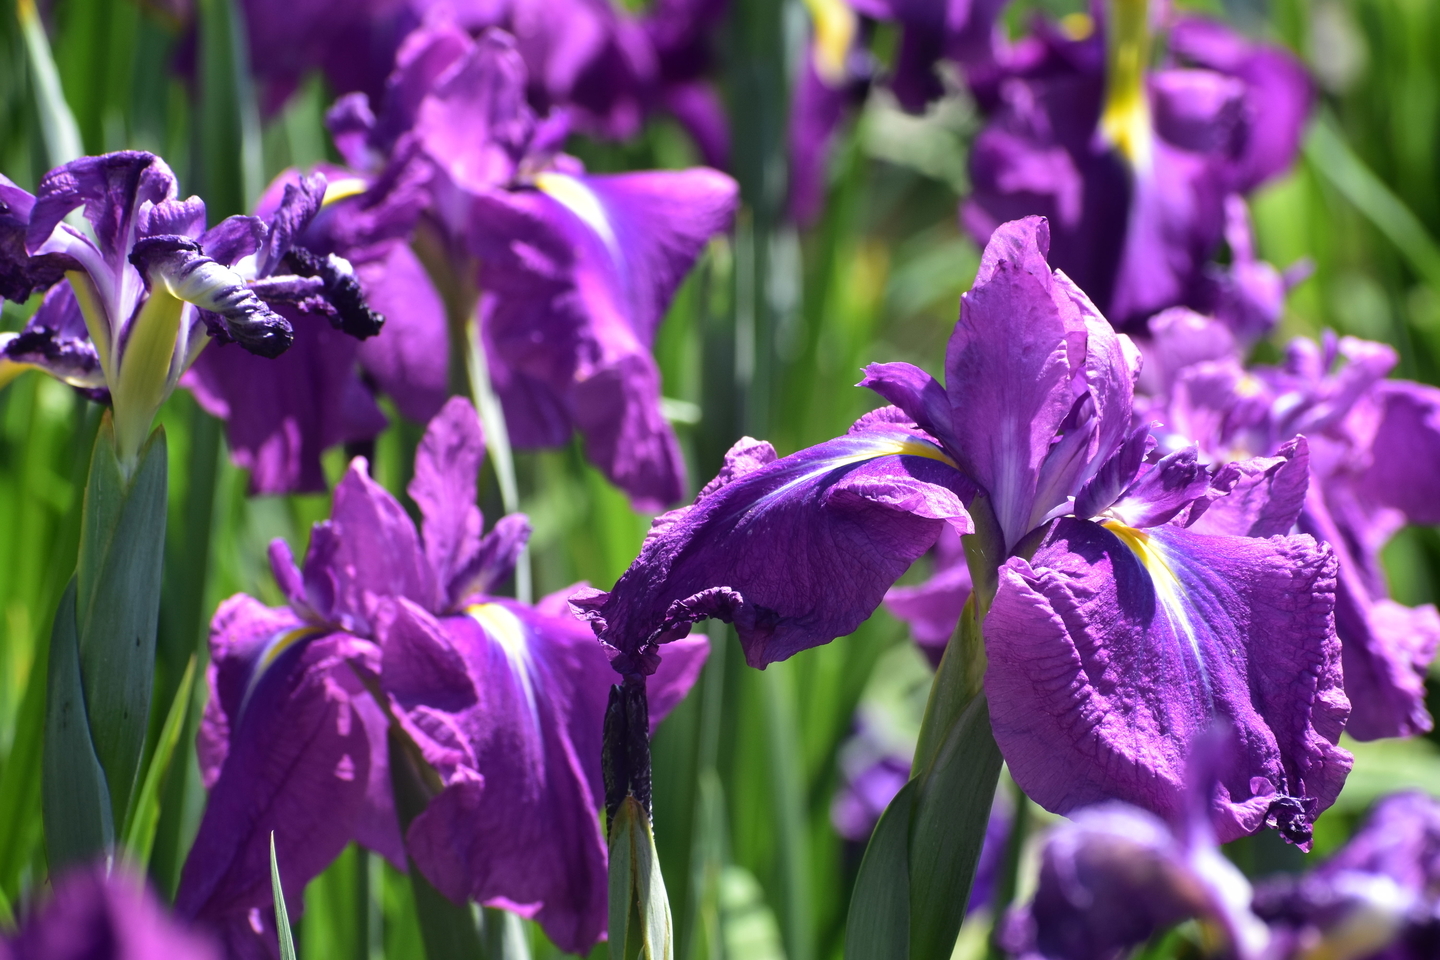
(463, 208)
(1133, 599)
(1169, 556)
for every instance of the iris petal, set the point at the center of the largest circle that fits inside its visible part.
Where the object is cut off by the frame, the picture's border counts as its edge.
(795, 551)
(1114, 648)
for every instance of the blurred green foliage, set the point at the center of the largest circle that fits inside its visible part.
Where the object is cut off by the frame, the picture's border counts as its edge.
(766, 337)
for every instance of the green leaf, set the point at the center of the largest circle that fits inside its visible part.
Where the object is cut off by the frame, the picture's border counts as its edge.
(934, 829)
(139, 833)
(957, 767)
(20, 784)
(952, 809)
(282, 917)
(640, 923)
(1331, 157)
(57, 123)
(878, 927)
(75, 798)
(117, 604)
(229, 170)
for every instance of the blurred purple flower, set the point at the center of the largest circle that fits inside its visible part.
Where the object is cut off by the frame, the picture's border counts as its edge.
(99, 914)
(1114, 875)
(148, 269)
(1375, 897)
(1136, 170)
(609, 68)
(569, 273)
(1118, 632)
(837, 69)
(1372, 446)
(393, 633)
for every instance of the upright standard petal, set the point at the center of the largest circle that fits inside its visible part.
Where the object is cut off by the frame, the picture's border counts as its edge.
(447, 464)
(370, 552)
(794, 552)
(1008, 369)
(1114, 648)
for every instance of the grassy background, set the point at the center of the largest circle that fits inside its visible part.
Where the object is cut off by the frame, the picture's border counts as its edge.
(766, 338)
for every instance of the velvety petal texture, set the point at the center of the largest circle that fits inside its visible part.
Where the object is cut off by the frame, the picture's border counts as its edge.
(793, 551)
(581, 271)
(1112, 649)
(504, 703)
(284, 748)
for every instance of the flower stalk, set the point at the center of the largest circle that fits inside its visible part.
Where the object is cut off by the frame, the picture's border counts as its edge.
(103, 651)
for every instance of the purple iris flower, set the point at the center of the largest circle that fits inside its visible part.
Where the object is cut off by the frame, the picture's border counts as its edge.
(1372, 446)
(394, 635)
(99, 914)
(570, 274)
(280, 418)
(1136, 167)
(132, 302)
(1113, 875)
(1376, 897)
(837, 69)
(610, 69)
(1117, 631)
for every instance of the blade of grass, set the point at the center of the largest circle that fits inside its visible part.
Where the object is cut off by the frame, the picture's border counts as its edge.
(139, 834)
(1331, 157)
(57, 124)
(282, 917)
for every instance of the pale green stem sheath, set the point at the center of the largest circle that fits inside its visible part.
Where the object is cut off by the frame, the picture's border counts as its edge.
(497, 441)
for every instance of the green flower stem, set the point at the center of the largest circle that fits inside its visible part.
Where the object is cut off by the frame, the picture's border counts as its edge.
(914, 882)
(102, 665)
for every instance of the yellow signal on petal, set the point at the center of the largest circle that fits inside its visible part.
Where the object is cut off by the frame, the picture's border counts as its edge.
(340, 189)
(1169, 590)
(1125, 121)
(835, 27)
(581, 201)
